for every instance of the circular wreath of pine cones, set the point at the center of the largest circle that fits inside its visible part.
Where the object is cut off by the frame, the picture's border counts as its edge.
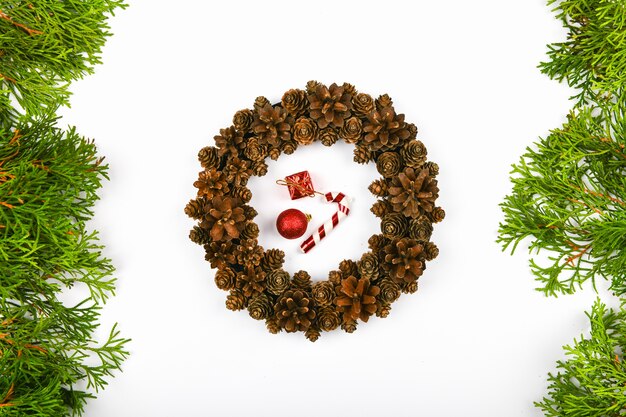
(253, 276)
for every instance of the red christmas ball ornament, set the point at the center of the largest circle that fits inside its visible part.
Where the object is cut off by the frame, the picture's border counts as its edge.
(292, 223)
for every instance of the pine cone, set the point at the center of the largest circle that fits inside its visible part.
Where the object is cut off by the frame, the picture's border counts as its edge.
(195, 208)
(199, 235)
(389, 164)
(237, 171)
(381, 208)
(379, 187)
(277, 281)
(251, 281)
(311, 86)
(229, 142)
(330, 106)
(225, 279)
(437, 215)
(409, 287)
(323, 293)
(260, 307)
(211, 183)
(383, 310)
(420, 228)
(272, 325)
(249, 211)
(385, 130)
(349, 326)
(305, 131)
(348, 267)
(249, 253)
(209, 157)
(431, 250)
(362, 155)
(377, 243)
(368, 266)
(270, 125)
(260, 102)
(295, 102)
(352, 130)
(356, 298)
(259, 168)
(413, 193)
(220, 254)
(242, 120)
(383, 102)
(389, 291)
(242, 193)
(413, 153)
(250, 231)
(254, 150)
(393, 225)
(328, 136)
(432, 167)
(289, 147)
(335, 277)
(328, 319)
(404, 260)
(302, 281)
(312, 333)
(294, 311)
(362, 104)
(236, 300)
(274, 153)
(225, 219)
(349, 88)
(412, 130)
(273, 260)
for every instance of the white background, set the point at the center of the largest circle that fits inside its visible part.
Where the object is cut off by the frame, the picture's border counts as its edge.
(475, 340)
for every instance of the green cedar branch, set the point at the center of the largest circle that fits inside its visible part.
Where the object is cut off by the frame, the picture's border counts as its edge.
(50, 361)
(44, 45)
(569, 196)
(592, 380)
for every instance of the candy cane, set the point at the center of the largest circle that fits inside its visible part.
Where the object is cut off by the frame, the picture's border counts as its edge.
(343, 203)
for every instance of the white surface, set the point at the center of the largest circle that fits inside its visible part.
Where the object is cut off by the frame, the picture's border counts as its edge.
(476, 340)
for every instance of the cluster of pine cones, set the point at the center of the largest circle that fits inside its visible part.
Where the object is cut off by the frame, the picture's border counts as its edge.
(253, 276)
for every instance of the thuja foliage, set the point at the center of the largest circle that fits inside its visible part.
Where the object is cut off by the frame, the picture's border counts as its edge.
(593, 57)
(592, 380)
(569, 195)
(49, 360)
(45, 44)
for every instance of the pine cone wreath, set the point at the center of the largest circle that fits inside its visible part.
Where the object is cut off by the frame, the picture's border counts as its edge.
(413, 192)
(330, 106)
(420, 228)
(404, 260)
(251, 281)
(323, 293)
(302, 281)
(260, 307)
(278, 281)
(295, 102)
(352, 130)
(209, 157)
(242, 120)
(362, 104)
(328, 319)
(294, 311)
(328, 136)
(413, 154)
(356, 299)
(394, 225)
(384, 130)
(271, 126)
(362, 155)
(273, 259)
(305, 131)
(211, 183)
(229, 142)
(389, 164)
(225, 219)
(225, 279)
(369, 267)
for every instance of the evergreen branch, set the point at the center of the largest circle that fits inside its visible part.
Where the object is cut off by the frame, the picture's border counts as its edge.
(569, 194)
(592, 381)
(44, 45)
(48, 184)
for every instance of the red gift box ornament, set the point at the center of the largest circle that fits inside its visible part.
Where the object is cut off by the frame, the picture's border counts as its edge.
(299, 185)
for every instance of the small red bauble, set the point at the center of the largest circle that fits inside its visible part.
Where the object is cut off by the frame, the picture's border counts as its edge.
(292, 223)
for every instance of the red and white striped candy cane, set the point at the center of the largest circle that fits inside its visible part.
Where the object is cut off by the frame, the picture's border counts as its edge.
(343, 203)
